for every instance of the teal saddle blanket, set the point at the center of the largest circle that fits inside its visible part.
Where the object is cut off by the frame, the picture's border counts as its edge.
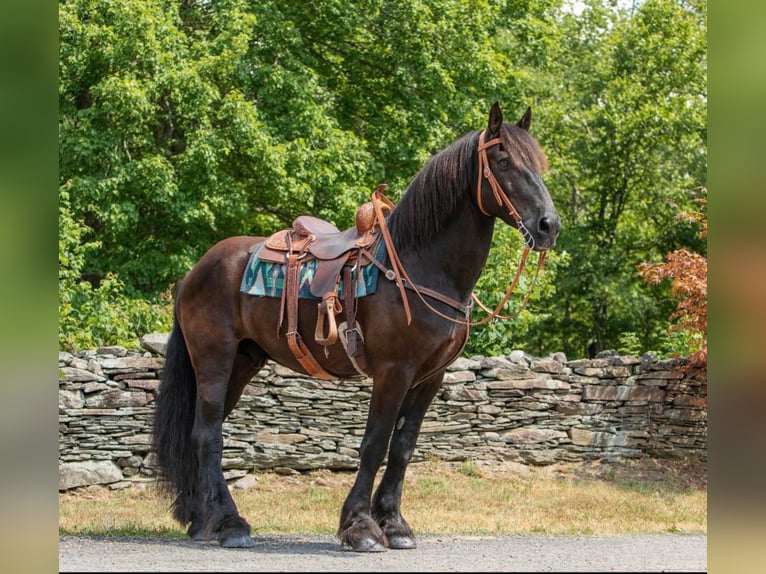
(267, 279)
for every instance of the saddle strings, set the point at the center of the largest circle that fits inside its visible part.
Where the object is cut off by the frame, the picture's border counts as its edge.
(496, 313)
(492, 314)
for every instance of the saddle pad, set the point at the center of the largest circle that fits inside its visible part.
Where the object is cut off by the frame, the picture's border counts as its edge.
(267, 279)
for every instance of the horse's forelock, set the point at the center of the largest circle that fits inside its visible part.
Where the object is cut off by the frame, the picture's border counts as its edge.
(523, 148)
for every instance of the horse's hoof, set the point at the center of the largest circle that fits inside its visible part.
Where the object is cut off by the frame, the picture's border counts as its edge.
(368, 545)
(402, 542)
(197, 533)
(237, 541)
(200, 537)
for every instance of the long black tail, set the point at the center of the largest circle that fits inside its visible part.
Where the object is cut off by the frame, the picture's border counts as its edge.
(173, 421)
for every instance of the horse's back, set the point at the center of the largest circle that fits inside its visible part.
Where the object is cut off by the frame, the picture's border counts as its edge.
(224, 260)
(231, 249)
(211, 288)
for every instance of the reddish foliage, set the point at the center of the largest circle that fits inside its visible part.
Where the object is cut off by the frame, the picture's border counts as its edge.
(688, 271)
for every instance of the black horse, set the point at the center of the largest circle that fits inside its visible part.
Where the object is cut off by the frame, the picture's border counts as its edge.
(442, 231)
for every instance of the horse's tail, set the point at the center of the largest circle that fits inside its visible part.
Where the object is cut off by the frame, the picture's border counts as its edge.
(173, 420)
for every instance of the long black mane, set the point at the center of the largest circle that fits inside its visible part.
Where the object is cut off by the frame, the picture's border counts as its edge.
(448, 178)
(435, 193)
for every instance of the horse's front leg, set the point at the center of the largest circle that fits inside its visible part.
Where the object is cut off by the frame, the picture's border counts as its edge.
(386, 504)
(358, 529)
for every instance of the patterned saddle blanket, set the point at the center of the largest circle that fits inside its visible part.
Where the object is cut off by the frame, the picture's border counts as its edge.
(267, 279)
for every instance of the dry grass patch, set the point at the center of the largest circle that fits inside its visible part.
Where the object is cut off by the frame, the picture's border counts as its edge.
(467, 498)
(562, 499)
(99, 511)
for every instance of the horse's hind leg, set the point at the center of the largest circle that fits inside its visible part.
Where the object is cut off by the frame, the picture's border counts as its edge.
(248, 361)
(216, 395)
(386, 504)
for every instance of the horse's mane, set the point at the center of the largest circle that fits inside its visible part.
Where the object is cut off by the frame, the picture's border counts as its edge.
(448, 178)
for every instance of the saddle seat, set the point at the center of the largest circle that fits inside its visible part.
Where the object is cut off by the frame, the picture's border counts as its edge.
(321, 238)
(314, 238)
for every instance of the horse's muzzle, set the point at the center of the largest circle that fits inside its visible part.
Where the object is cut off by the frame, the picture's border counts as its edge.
(546, 231)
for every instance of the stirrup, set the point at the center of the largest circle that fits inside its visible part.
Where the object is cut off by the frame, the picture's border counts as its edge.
(327, 309)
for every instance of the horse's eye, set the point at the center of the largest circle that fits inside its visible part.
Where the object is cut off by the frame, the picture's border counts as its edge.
(503, 163)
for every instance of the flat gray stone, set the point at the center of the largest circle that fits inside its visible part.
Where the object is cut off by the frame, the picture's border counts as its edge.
(155, 343)
(87, 473)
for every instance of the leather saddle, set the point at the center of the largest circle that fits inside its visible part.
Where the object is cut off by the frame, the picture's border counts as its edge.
(314, 238)
(337, 253)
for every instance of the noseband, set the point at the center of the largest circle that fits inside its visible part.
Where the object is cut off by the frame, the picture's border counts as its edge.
(501, 198)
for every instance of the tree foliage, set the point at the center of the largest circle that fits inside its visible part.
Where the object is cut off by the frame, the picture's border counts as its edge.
(624, 97)
(90, 316)
(186, 121)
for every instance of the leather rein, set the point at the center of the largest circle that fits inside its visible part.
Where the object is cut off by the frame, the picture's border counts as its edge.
(381, 202)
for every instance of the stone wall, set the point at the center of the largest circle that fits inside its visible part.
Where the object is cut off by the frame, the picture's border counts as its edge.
(515, 407)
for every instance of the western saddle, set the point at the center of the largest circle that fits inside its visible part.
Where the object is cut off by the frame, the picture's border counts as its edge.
(337, 254)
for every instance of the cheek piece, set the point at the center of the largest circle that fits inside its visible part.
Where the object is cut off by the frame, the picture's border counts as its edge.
(501, 198)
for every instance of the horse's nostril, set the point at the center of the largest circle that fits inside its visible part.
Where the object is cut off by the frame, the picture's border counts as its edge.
(549, 226)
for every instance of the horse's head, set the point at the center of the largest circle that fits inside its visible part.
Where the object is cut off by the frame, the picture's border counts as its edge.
(510, 184)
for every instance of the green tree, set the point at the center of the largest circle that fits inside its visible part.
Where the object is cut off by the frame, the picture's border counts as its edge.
(91, 316)
(626, 135)
(184, 121)
(163, 150)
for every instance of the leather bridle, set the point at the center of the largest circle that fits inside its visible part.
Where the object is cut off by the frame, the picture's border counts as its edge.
(501, 198)
(381, 203)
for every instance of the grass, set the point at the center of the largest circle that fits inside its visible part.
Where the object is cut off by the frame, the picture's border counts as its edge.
(589, 498)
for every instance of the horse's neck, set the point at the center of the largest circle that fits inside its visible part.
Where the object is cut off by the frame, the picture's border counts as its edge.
(453, 261)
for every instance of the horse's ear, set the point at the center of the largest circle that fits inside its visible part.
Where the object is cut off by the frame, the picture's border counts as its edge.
(525, 120)
(495, 121)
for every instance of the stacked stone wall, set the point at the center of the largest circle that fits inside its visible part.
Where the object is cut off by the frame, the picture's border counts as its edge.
(509, 408)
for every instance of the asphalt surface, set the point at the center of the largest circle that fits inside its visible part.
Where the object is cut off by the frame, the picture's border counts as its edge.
(435, 553)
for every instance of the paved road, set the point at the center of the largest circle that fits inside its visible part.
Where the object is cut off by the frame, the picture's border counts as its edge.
(296, 553)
